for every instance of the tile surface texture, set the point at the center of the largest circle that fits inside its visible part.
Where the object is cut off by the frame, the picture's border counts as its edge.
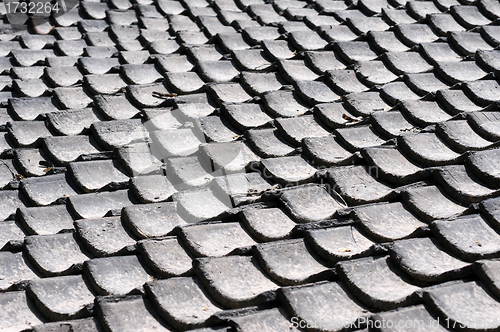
(251, 165)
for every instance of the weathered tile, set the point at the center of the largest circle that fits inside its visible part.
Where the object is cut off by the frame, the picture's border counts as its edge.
(151, 220)
(339, 308)
(309, 203)
(290, 262)
(105, 236)
(49, 261)
(16, 314)
(378, 282)
(182, 302)
(426, 259)
(166, 257)
(430, 202)
(459, 304)
(60, 298)
(120, 275)
(340, 243)
(235, 281)
(45, 220)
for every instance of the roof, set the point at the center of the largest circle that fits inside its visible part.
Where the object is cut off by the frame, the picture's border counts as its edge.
(251, 165)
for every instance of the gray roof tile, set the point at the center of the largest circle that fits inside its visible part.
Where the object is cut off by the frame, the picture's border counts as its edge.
(102, 84)
(15, 269)
(45, 190)
(430, 202)
(246, 116)
(468, 42)
(235, 281)
(345, 180)
(96, 174)
(166, 257)
(105, 236)
(393, 166)
(45, 220)
(486, 269)
(290, 262)
(116, 107)
(419, 258)
(413, 313)
(12, 234)
(71, 47)
(486, 124)
(295, 129)
(489, 8)
(462, 185)
(449, 304)
(116, 275)
(296, 70)
(339, 243)
(424, 113)
(372, 73)
(289, 170)
(391, 124)
(199, 205)
(267, 224)
(341, 310)
(358, 137)
(459, 135)
(337, 33)
(14, 306)
(424, 83)
(172, 303)
(456, 101)
(323, 61)
(483, 164)
(185, 82)
(362, 25)
(146, 188)
(252, 60)
(258, 83)
(386, 41)
(483, 92)
(427, 149)
(412, 34)
(388, 222)
(420, 10)
(335, 115)
(151, 220)
(61, 298)
(406, 62)
(315, 92)
(310, 203)
(72, 122)
(118, 132)
(173, 63)
(218, 71)
(129, 314)
(442, 23)
(269, 143)
(72, 97)
(327, 151)
(97, 205)
(352, 51)
(31, 108)
(214, 239)
(283, 103)
(468, 16)
(49, 261)
(387, 287)
(64, 149)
